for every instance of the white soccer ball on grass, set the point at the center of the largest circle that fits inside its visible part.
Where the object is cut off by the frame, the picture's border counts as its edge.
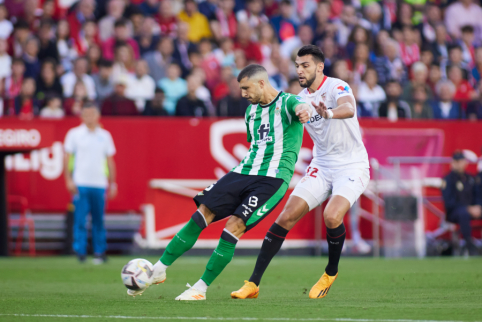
(137, 274)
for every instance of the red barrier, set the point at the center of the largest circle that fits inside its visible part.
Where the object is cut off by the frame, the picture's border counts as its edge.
(181, 148)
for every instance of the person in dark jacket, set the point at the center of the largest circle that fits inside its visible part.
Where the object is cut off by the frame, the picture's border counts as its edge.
(117, 103)
(458, 192)
(232, 104)
(190, 105)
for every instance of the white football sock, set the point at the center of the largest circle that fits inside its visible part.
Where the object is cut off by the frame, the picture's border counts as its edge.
(201, 286)
(159, 267)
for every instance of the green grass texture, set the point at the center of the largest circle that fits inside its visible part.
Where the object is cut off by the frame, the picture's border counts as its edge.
(366, 290)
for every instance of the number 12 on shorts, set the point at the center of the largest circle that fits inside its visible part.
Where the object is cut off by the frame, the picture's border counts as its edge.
(313, 172)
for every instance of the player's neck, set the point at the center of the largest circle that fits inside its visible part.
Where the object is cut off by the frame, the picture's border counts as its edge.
(269, 96)
(316, 84)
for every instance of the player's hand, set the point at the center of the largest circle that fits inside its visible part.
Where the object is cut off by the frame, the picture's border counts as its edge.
(112, 192)
(303, 115)
(321, 109)
(71, 187)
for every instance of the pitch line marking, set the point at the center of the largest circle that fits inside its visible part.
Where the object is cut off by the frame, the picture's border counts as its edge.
(204, 318)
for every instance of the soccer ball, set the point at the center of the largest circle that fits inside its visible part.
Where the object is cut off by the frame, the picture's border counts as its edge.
(137, 274)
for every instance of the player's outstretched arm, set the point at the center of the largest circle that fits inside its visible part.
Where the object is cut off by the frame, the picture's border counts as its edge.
(345, 109)
(303, 111)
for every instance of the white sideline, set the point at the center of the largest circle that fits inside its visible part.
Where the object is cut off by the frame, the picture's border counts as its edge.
(218, 318)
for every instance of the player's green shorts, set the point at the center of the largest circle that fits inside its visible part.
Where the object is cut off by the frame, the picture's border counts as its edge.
(250, 198)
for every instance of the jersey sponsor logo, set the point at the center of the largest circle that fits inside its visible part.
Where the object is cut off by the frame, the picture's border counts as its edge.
(299, 99)
(263, 132)
(315, 118)
(343, 90)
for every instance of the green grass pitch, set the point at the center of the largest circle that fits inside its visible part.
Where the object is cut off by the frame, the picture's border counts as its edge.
(61, 289)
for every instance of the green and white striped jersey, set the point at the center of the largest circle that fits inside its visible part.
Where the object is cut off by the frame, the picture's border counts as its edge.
(275, 134)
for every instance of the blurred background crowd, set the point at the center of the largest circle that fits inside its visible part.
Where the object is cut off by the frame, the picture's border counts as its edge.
(403, 59)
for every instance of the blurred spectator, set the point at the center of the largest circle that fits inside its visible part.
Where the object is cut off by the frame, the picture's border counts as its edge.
(48, 46)
(198, 23)
(251, 49)
(267, 42)
(182, 47)
(210, 63)
(208, 8)
(20, 35)
(458, 192)
(73, 104)
(6, 27)
(419, 78)
(477, 70)
(5, 60)
(271, 7)
(370, 95)
(331, 54)
(345, 24)
(159, 60)
(462, 13)
(303, 38)
(433, 17)
(94, 55)
(225, 24)
(440, 45)
(278, 79)
(474, 109)
(359, 63)
(79, 72)
(13, 83)
(83, 11)
(190, 105)
(283, 25)
(115, 10)
(48, 83)
(394, 108)
(124, 61)
(409, 50)
(53, 108)
(373, 18)
(87, 38)
(174, 87)
(390, 66)
(117, 103)
(233, 104)
(32, 63)
(463, 90)
(222, 88)
(434, 76)
(146, 39)
(141, 86)
(340, 70)
(455, 59)
(225, 53)
(426, 56)
(155, 107)
(65, 45)
(294, 86)
(202, 92)
(419, 104)
(320, 22)
(239, 61)
(149, 7)
(121, 35)
(137, 19)
(467, 44)
(359, 35)
(104, 85)
(166, 19)
(26, 105)
(252, 14)
(444, 107)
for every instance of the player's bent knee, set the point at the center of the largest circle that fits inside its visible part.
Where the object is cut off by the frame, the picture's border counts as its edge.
(292, 213)
(333, 219)
(207, 214)
(236, 226)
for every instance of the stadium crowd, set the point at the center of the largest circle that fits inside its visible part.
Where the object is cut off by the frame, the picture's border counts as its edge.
(403, 59)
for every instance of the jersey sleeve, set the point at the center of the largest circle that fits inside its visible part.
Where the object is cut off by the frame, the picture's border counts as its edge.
(292, 102)
(246, 120)
(69, 143)
(341, 89)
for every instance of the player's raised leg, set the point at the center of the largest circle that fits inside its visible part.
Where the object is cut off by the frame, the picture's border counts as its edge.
(335, 230)
(222, 255)
(181, 243)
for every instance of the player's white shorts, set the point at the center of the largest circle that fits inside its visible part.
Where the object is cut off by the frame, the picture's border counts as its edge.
(318, 183)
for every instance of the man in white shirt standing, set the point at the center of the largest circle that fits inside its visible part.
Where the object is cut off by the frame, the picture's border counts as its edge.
(79, 73)
(339, 168)
(91, 149)
(141, 86)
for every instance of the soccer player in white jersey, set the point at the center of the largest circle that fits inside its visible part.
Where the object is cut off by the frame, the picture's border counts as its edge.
(339, 167)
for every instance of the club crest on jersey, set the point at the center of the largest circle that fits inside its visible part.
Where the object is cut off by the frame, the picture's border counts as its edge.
(342, 89)
(323, 96)
(263, 132)
(277, 111)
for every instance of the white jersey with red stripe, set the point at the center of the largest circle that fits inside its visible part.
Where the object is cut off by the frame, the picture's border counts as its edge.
(337, 142)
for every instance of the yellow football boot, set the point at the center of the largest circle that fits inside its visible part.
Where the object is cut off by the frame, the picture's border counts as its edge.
(248, 291)
(321, 288)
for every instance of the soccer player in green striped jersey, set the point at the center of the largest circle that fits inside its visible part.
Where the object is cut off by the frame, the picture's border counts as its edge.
(247, 194)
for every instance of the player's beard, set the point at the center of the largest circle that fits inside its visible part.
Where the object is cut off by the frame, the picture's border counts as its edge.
(309, 81)
(256, 99)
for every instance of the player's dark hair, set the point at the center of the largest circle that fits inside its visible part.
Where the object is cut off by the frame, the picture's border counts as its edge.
(251, 70)
(314, 51)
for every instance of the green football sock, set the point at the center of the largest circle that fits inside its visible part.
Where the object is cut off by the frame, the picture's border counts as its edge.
(181, 243)
(220, 258)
